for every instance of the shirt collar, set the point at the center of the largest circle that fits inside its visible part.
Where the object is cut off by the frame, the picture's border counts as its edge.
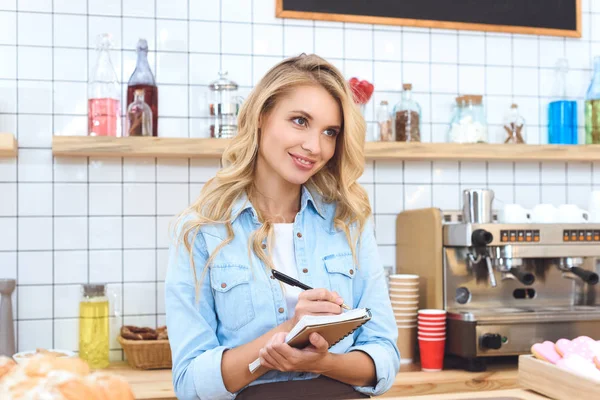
(243, 203)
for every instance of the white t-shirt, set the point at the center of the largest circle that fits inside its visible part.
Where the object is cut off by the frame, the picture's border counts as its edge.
(285, 262)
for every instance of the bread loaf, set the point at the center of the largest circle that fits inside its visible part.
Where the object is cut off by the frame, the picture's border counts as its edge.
(48, 377)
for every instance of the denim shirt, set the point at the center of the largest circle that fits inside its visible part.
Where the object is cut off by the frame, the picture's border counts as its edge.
(240, 301)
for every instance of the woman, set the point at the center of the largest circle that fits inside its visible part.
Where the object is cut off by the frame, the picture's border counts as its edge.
(287, 198)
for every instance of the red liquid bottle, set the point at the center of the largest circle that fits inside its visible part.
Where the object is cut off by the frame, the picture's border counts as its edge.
(142, 78)
(104, 94)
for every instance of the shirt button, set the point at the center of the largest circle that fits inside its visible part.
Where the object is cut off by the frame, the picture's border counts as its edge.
(299, 234)
(223, 285)
(351, 272)
(272, 277)
(305, 270)
(281, 310)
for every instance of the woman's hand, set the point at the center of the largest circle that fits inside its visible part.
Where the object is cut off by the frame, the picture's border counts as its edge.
(280, 356)
(316, 302)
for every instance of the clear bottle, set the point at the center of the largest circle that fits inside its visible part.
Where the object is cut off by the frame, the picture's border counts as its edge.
(562, 113)
(142, 78)
(94, 326)
(104, 94)
(139, 116)
(384, 123)
(468, 124)
(407, 117)
(592, 107)
(513, 130)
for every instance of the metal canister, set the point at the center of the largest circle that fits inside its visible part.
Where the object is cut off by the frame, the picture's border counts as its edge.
(477, 206)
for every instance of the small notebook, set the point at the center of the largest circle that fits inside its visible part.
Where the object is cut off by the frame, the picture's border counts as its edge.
(333, 328)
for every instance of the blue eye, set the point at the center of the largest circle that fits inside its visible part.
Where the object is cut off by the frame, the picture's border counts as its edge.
(331, 132)
(300, 121)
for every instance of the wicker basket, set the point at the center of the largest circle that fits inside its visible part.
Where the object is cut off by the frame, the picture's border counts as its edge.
(147, 354)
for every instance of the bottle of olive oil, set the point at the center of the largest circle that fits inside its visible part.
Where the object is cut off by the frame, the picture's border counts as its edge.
(94, 326)
(592, 107)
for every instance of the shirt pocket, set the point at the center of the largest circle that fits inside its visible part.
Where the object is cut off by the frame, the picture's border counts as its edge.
(340, 270)
(233, 298)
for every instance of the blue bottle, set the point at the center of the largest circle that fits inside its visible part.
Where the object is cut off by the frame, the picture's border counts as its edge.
(562, 113)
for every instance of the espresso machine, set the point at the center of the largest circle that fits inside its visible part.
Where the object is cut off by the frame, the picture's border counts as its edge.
(504, 286)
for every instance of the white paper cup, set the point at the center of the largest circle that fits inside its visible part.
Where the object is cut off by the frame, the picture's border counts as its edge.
(404, 297)
(406, 291)
(405, 307)
(404, 284)
(404, 276)
(405, 304)
(407, 314)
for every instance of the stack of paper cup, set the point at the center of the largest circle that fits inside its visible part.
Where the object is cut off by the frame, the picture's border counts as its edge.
(432, 339)
(404, 294)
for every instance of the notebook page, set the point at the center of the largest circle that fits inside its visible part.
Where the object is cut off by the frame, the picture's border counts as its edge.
(311, 320)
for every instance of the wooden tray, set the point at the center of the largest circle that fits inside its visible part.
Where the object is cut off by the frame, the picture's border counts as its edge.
(554, 382)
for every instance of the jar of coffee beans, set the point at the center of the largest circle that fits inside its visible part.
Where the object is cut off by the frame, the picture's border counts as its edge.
(407, 117)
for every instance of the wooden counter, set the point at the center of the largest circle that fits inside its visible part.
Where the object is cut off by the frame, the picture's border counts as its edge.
(511, 394)
(410, 382)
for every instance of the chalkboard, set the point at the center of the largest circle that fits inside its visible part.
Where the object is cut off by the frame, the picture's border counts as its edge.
(538, 17)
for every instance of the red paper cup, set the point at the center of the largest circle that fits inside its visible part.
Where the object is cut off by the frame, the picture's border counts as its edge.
(432, 324)
(428, 313)
(432, 321)
(432, 353)
(432, 329)
(432, 335)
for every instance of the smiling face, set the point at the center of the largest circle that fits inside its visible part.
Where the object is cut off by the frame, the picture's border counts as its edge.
(298, 135)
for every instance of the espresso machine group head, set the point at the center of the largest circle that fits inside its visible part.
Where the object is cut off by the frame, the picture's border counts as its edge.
(504, 286)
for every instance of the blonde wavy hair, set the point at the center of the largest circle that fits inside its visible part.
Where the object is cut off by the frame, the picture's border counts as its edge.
(335, 182)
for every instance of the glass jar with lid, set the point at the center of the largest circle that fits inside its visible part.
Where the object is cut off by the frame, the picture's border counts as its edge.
(468, 124)
(513, 130)
(224, 105)
(407, 117)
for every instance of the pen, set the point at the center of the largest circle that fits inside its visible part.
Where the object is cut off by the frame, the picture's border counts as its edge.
(293, 282)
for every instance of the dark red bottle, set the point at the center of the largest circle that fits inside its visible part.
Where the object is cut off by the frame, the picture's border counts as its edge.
(142, 78)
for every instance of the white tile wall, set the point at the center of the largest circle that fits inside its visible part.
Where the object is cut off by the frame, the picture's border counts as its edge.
(64, 222)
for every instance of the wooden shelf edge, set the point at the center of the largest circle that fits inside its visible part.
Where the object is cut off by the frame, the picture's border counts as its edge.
(102, 146)
(164, 147)
(479, 152)
(8, 145)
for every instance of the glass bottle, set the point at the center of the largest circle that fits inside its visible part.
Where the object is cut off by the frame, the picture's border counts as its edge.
(514, 126)
(94, 326)
(468, 124)
(384, 123)
(139, 116)
(562, 113)
(104, 94)
(142, 78)
(592, 107)
(407, 117)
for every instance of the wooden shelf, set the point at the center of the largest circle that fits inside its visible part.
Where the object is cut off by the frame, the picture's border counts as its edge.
(103, 146)
(86, 146)
(480, 152)
(8, 145)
